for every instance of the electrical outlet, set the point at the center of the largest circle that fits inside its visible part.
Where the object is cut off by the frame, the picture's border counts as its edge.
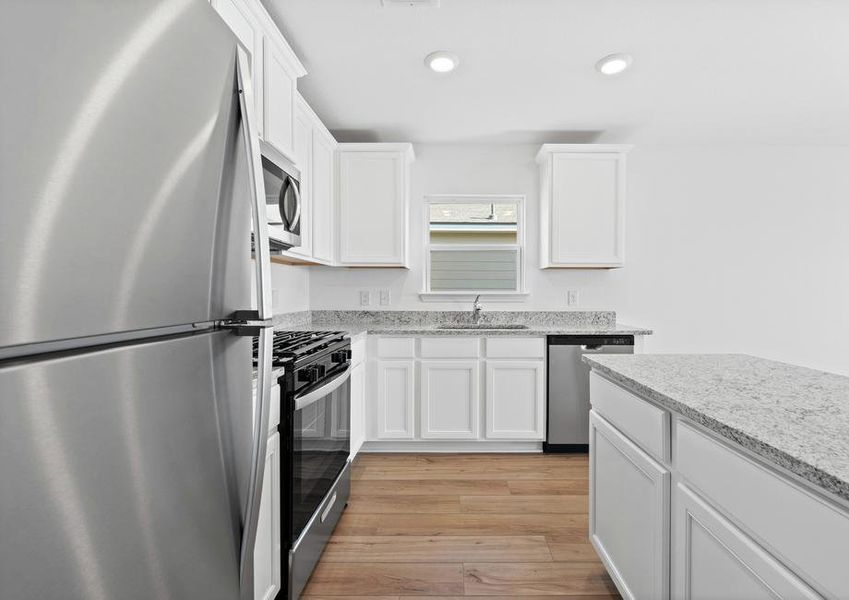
(572, 298)
(385, 298)
(365, 298)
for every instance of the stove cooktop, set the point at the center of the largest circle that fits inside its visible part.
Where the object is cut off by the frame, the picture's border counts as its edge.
(292, 346)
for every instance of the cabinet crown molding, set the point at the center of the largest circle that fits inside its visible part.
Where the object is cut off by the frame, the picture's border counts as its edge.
(405, 147)
(547, 150)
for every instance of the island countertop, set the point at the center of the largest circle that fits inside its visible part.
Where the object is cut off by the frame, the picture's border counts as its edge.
(793, 417)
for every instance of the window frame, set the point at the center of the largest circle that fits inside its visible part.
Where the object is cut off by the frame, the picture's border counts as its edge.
(519, 294)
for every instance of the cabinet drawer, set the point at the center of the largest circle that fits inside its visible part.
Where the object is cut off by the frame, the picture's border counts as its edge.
(807, 533)
(644, 423)
(358, 350)
(396, 347)
(515, 347)
(450, 347)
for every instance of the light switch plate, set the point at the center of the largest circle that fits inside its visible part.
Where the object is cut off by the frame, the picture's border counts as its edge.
(385, 298)
(365, 298)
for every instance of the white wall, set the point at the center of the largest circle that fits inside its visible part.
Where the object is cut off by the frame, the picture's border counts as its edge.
(729, 249)
(290, 288)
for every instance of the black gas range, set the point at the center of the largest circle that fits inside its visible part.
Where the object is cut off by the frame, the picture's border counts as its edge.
(315, 445)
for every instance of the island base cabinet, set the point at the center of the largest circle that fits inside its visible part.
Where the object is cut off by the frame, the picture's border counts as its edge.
(629, 513)
(713, 560)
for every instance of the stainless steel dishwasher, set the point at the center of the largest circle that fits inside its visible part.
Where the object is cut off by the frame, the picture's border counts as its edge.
(569, 387)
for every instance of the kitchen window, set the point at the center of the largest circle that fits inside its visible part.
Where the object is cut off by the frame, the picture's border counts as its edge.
(474, 244)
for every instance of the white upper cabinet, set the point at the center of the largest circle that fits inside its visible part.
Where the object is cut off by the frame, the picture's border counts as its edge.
(314, 150)
(274, 69)
(279, 103)
(302, 154)
(323, 169)
(582, 205)
(244, 24)
(373, 197)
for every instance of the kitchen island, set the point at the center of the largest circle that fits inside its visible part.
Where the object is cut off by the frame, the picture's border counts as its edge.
(719, 476)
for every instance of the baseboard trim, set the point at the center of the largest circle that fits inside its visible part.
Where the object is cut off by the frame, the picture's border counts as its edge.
(450, 446)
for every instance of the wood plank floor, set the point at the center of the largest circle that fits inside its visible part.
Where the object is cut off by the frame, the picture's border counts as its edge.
(463, 525)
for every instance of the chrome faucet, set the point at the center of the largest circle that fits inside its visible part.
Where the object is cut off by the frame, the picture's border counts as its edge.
(477, 308)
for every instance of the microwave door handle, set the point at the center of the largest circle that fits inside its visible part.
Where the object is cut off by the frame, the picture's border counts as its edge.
(262, 264)
(328, 388)
(281, 202)
(297, 218)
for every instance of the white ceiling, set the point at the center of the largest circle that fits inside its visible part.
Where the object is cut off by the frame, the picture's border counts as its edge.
(706, 71)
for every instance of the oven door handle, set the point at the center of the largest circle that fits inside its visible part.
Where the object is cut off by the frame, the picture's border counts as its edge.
(328, 388)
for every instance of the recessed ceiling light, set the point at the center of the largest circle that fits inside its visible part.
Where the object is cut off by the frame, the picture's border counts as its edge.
(613, 64)
(442, 62)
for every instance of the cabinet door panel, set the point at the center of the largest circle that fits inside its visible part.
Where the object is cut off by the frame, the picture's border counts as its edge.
(629, 513)
(322, 197)
(267, 546)
(395, 399)
(302, 153)
(586, 209)
(373, 211)
(450, 399)
(515, 400)
(279, 89)
(713, 560)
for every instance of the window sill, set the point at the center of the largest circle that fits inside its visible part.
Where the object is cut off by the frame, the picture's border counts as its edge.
(470, 296)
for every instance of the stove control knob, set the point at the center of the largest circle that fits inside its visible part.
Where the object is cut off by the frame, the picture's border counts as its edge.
(308, 374)
(320, 370)
(340, 356)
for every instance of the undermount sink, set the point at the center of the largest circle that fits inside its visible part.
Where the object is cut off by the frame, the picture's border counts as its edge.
(480, 326)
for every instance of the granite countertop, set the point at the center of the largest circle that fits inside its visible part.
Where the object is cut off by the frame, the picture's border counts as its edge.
(539, 323)
(356, 328)
(794, 417)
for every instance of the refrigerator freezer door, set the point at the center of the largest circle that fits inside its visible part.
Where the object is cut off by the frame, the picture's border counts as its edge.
(119, 472)
(119, 145)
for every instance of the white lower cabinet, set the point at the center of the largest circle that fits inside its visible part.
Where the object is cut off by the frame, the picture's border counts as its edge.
(733, 528)
(629, 513)
(449, 399)
(448, 393)
(395, 399)
(714, 560)
(267, 547)
(515, 399)
(358, 394)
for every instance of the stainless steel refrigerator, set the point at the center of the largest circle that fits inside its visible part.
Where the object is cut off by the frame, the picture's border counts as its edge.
(129, 178)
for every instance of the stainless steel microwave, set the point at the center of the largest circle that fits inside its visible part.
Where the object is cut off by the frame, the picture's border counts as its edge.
(282, 199)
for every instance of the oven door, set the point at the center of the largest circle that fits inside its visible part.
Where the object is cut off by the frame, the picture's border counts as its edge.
(321, 442)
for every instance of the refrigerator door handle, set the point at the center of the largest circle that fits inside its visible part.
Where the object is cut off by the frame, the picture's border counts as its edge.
(262, 262)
